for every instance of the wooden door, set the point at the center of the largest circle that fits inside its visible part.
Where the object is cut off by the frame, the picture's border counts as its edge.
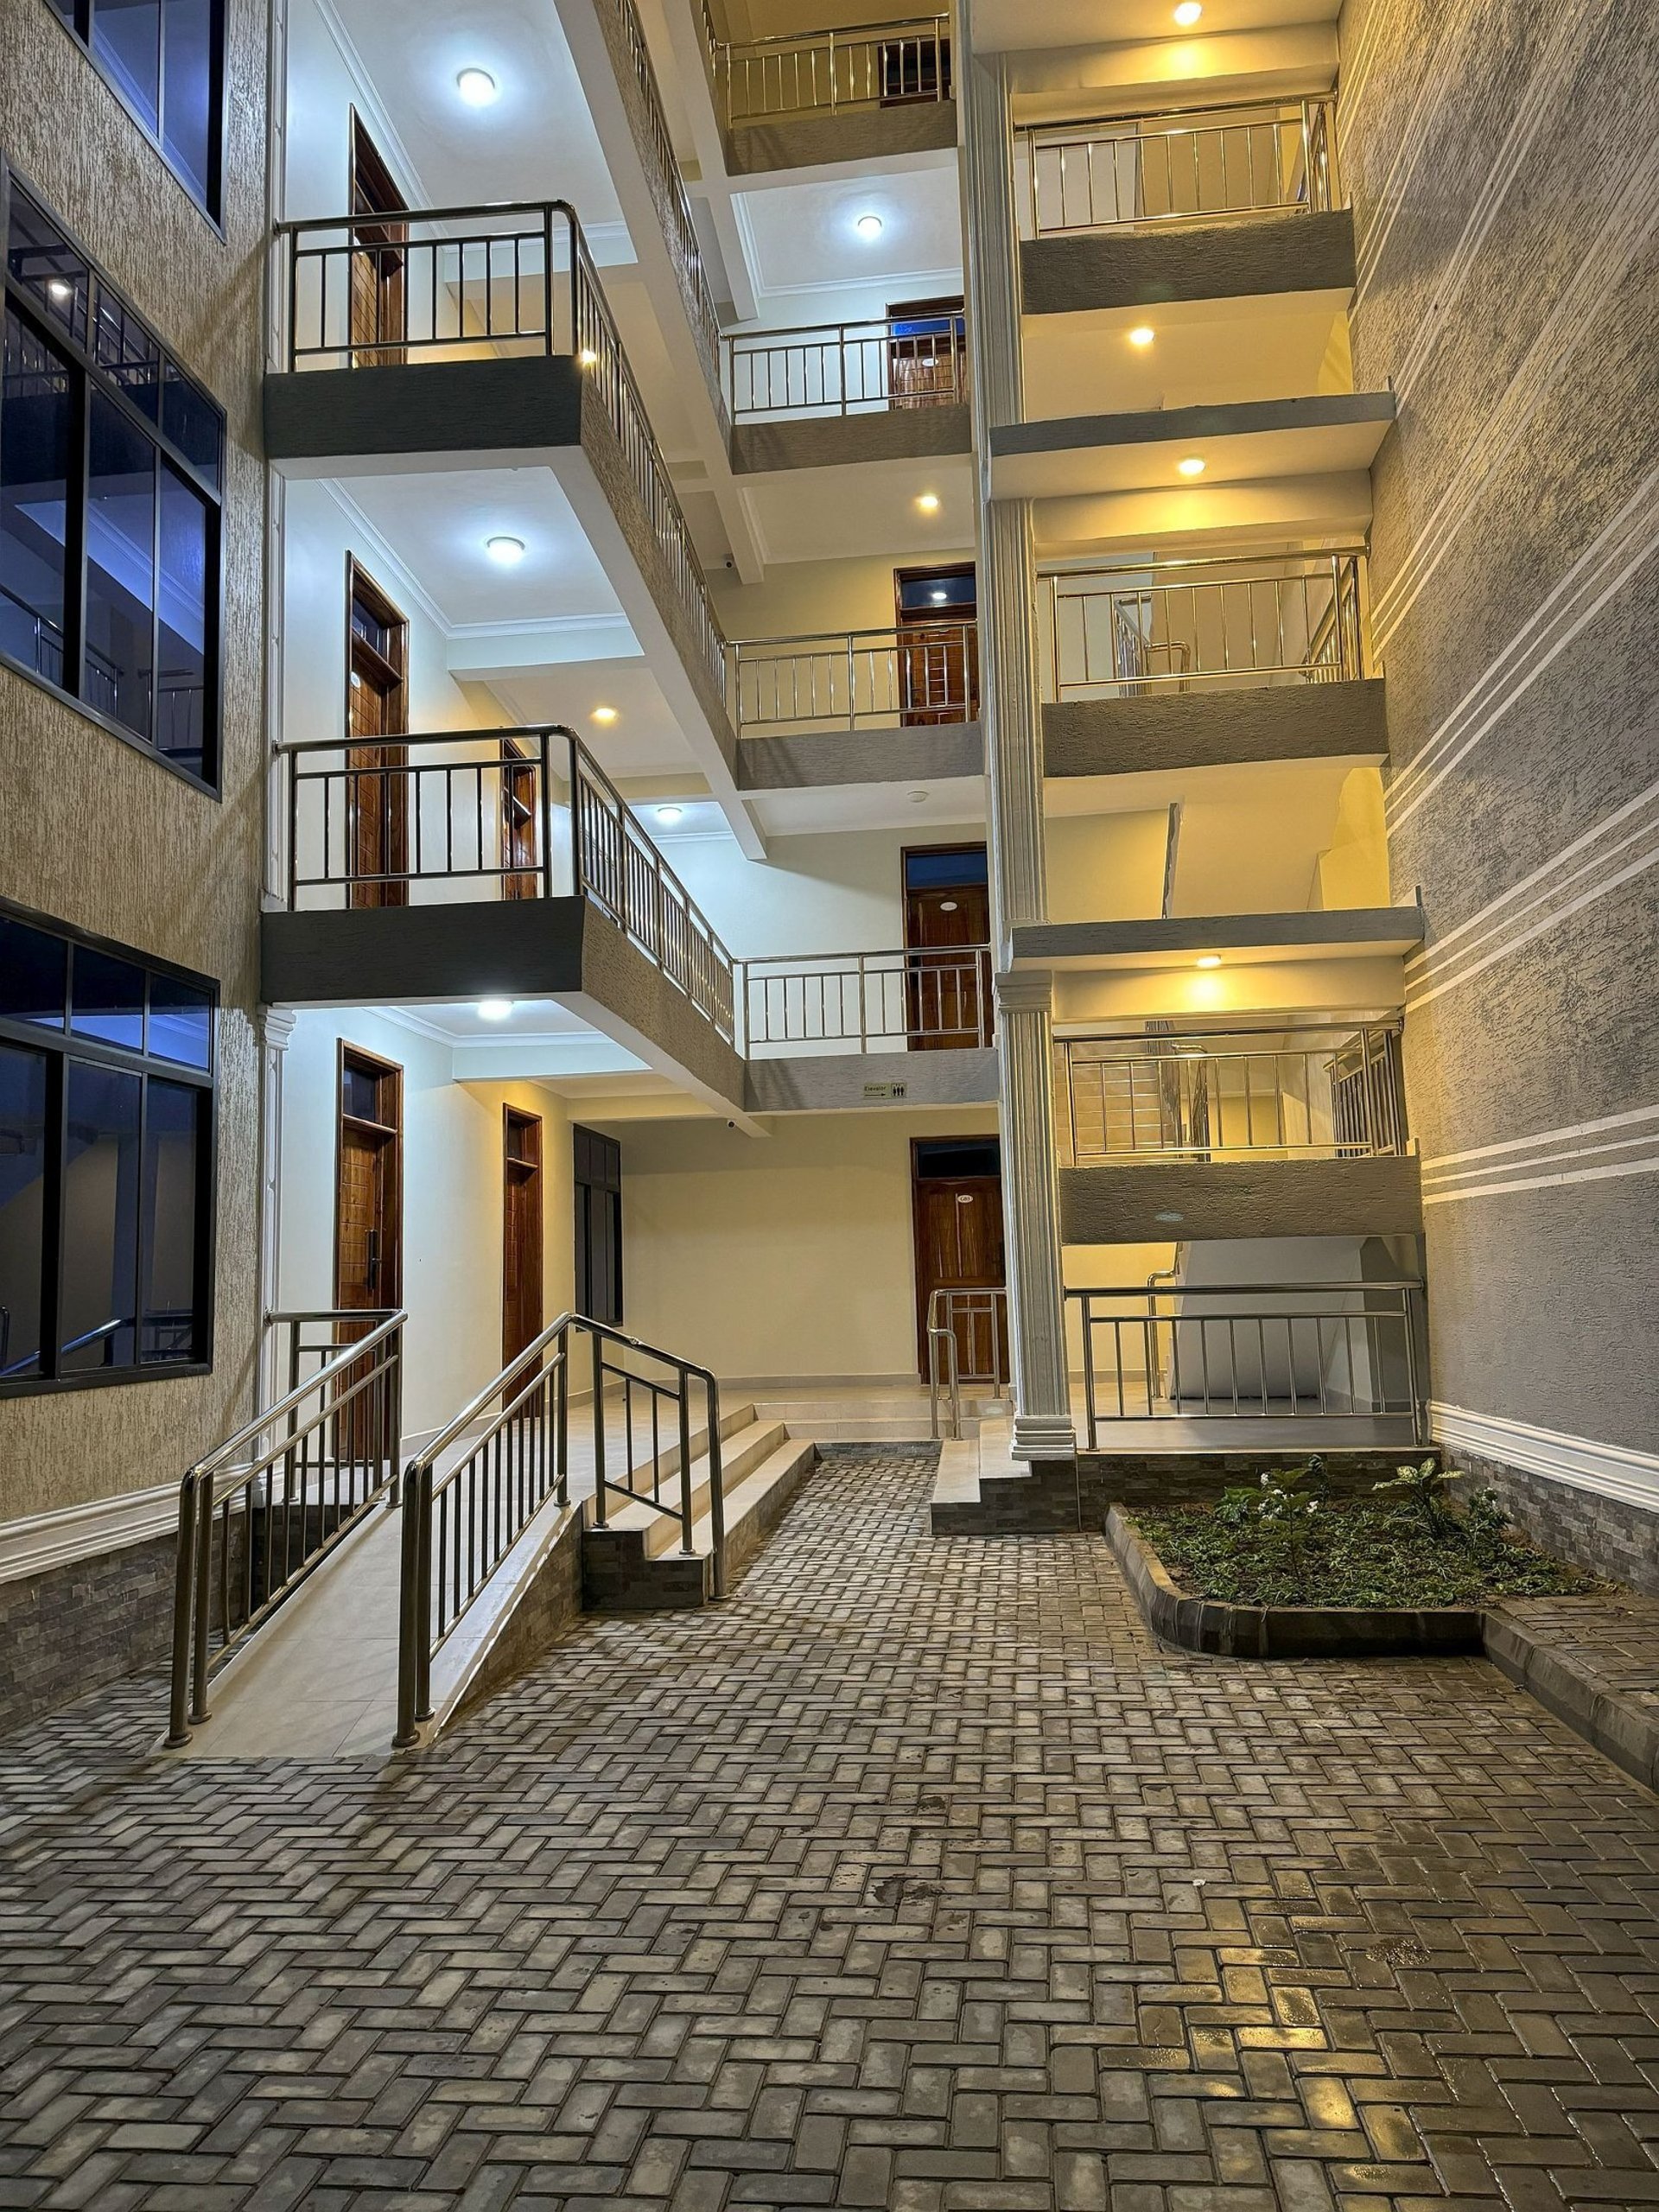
(368, 1216)
(520, 840)
(947, 909)
(521, 1241)
(377, 826)
(927, 353)
(380, 295)
(598, 1169)
(957, 1208)
(938, 653)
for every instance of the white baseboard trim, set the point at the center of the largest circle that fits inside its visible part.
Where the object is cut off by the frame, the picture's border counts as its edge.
(44, 1541)
(1612, 1470)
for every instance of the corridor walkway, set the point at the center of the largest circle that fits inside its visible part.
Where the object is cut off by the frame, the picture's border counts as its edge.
(914, 1876)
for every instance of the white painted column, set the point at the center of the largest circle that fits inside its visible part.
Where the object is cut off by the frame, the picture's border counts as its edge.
(276, 1028)
(1012, 715)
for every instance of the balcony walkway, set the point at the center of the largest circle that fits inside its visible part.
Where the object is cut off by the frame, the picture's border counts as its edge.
(913, 1877)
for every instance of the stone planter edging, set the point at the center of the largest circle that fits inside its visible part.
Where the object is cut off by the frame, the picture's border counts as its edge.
(1620, 1730)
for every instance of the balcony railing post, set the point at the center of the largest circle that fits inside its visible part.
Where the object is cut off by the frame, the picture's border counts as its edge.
(716, 1486)
(202, 1561)
(578, 856)
(597, 1343)
(409, 1611)
(184, 1585)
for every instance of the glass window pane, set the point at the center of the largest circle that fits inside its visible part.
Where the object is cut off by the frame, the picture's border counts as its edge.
(128, 348)
(40, 259)
(33, 974)
(22, 1209)
(99, 1289)
(194, 423)
(127, 40)
(107, 999)
(120, 569)
(171, 1192)
(180, 1022)
(187, 90)
(36, 413)
(181, 688)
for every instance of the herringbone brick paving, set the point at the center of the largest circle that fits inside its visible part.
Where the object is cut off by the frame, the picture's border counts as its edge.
(915, 1876)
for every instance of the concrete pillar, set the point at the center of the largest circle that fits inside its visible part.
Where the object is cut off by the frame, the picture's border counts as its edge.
(1012, 716)
(276, 1028)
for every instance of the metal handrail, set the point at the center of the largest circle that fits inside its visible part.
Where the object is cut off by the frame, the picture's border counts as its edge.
(1148, 171)
(521, 1460)
(357, 1391)
(1335, 1093)
(947, 1306)
(913, 995)
(848, 368)
(1124, 631)
(913, 674)
(813, 71)
(1342, 1351)
(495, 288)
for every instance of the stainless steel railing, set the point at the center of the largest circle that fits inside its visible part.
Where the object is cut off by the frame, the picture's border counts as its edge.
(1135, 172)
(915, 1000)
(1127, 632)
(501, 815)
(923, 674)
(895, 64)
(462, 1521)
(461, 283)
(258, 1513)
(848, 368)
(967, 1344)
(1308, 1352)
(1328, 1093)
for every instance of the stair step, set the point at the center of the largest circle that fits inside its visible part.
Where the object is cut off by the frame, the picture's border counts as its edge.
(637, 1565)
(741, 1449)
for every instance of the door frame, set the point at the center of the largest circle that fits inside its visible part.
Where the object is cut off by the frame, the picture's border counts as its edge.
(521, 1115)
(365, 162)
(986, 1006)
(385, 1070)
(582, 1191)
(911, 619)
(361, 586)
(974, 1136)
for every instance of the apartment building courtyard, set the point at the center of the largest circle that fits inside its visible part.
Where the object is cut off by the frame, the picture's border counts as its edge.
(916, 1875)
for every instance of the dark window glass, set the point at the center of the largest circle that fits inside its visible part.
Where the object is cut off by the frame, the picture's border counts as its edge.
(100, 1289)
(108, 1000)
(926, 871)
(129, 351)
(187, 91)
(181, 689)
(127, 46)
(34, 975)
(171, 1184)
(36, 414)
(194, 424)
(955, 1156)
(120, 569)
(43, 263)
(24, 1154)
(360, 1093)
(949, 595)
(180, 1022)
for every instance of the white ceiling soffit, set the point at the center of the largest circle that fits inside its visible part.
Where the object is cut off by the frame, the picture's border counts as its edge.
(832, 514)
(1020, 26)
(1202, 351)
(807, 259)
(946, 802)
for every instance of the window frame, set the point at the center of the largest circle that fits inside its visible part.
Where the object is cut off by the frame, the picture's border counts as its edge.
(87, 374)
(58, 1047)
(78, 32)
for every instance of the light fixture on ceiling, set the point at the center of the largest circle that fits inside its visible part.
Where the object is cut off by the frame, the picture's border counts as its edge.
(477, 87)
(505, 552)
(1187, 14)
(938, 598)
(868, 227)
(61, 289)
(587, 357)
(671, 813)
(605, 714)
(1191, 466)
(917, 799)
(494, 1009)
(1208, 960)
(1142, 334)
(929, 502)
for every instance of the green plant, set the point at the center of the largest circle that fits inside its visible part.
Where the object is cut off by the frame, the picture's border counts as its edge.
(1423, 1490)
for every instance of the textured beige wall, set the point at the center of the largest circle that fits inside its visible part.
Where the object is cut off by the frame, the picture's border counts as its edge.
(92, 831)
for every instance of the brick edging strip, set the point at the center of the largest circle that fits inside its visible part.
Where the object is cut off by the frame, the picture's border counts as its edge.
(1619, 1731)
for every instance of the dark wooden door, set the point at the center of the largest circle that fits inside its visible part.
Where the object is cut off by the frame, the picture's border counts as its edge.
(927, 353)
(598, 1166)
(957, 1187)
(521, 1240)
(934, 610)
(520, 841)
(379, 297)
(368, 1218)
(376, 707)
(948, 987)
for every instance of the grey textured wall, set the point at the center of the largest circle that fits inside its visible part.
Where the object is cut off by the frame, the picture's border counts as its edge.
(94, 832)
(1209, 261)
(1502, 163)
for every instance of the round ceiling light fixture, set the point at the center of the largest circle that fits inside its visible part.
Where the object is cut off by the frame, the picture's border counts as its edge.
(938, 598)
(1191, 466)
(929, 502)
(868, 227)
(59, 289)
(1142, 334)
(1187, 14)
(917, 799)
(671, 813)
(477, 87)
(505, 552)
(606, 716)
(494, 1009)
(1209, 960)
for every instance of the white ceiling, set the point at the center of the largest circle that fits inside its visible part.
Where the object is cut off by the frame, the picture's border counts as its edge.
(644, 740)
(462, 1024)
(807, 514)
(808, 261)
(1202, 351)
(437, 524)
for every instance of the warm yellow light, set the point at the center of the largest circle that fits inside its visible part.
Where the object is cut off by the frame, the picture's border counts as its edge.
(587, 357)
(1191, 466)
(929, 502)
(1209, 960)
(1187, 14)
(1142, 334)
(604, 713)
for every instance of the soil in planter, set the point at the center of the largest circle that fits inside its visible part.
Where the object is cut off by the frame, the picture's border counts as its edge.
(1356, 1552)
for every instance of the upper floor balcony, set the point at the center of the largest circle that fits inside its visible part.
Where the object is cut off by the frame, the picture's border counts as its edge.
(861, 93)
(1141, 211)
(891, 388)
(858, 706)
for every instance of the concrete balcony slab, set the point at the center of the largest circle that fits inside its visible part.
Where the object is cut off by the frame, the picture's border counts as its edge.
(832, 1083)
(834, 441)
(823, 759)
(1194, 261)
(840, 138)
(1161, 941)
(1246, 441)
(1168, 729)
(1146, 1201)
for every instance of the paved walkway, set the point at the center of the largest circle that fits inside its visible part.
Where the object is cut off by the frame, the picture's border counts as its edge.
(915, 1876)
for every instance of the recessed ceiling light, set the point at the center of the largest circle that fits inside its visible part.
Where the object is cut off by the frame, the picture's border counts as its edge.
(1187, 14)
(1191, 466)
(938, 598)
(929, 502)
(1209, 960)
(61, 289)
(1142, 334)
(604, 715)
(868, 227)
(587, 357)
(917, 799)
(477, 87)
(670, 813)
(505, 552)
(494, 1009)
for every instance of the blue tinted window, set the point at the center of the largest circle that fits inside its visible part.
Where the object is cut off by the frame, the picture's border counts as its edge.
(182, 679)
(99, 1297)
(187, 116)
(926, 871)
(36, 414)
(127, 45)
(108, 999)
(169, 1317)
(194, 423)
(180, 1022)
(120, 569)
(34, 975)
(24, 1155)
